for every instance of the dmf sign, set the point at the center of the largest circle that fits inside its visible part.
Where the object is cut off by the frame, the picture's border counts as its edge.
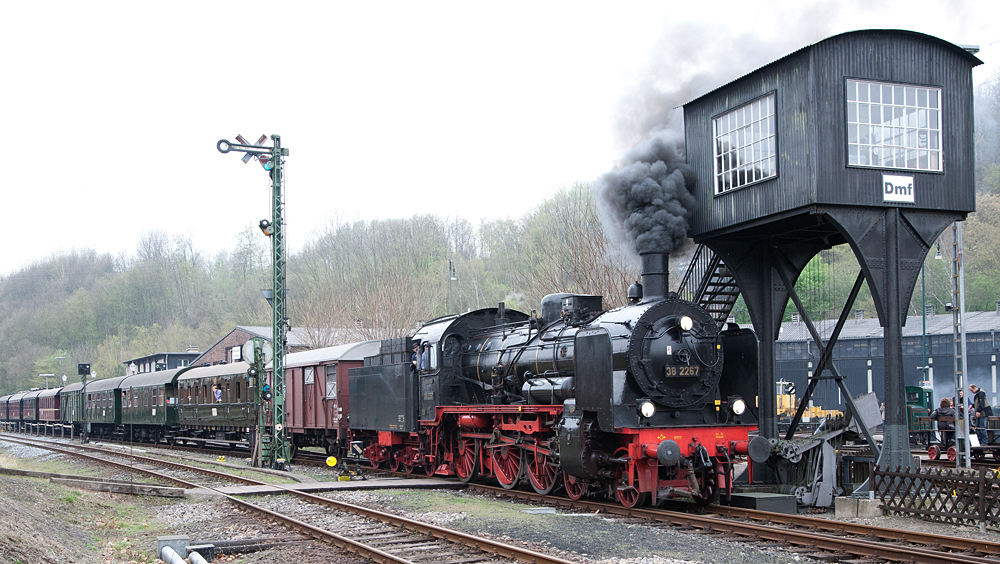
(897, 188)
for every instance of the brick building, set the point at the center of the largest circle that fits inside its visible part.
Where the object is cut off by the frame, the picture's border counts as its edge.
(229, 348)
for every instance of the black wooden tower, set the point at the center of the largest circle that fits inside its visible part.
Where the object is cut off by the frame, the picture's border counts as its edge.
(864, 138)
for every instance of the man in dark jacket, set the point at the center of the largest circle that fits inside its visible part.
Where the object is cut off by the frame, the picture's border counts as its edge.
(979, 411)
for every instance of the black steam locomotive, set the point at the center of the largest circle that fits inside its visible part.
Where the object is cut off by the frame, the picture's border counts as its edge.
(646, 402)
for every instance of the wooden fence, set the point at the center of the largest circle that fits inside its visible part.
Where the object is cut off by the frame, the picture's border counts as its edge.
(948, 495)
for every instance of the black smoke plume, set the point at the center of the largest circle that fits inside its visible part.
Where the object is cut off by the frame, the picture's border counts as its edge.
(646, 202)
(648, 198)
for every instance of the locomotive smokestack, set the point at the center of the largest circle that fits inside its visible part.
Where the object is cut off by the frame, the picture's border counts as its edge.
(654, 275)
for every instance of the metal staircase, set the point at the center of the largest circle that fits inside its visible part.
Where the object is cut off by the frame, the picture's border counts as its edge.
(709, 283)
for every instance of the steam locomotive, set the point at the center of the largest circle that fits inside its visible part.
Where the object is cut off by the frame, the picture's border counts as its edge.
(643, 403)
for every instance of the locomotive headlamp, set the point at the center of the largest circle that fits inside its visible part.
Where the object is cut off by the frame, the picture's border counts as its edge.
(738, 405)
(686, 323)
(647, 409)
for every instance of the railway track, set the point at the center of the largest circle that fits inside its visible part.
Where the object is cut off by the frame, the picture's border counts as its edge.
(390, 538)
(831, 539)
(204, 446)
(381, 537)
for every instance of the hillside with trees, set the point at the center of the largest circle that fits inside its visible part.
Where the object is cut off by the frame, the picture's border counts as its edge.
(353, 281)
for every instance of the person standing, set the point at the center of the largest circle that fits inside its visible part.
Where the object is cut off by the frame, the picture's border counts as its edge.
(980, 411)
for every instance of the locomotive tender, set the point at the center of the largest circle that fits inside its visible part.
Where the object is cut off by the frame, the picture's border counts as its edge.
(645, 402)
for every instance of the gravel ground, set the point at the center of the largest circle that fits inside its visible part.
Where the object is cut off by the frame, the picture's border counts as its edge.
(44, 523)
(582, 537)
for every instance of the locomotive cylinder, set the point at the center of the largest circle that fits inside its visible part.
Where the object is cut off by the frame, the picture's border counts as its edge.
(474, 421)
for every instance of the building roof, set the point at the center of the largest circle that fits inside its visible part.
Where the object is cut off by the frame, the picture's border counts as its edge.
(963, 49)
(939, 324)
(297, 336)
(192, 354)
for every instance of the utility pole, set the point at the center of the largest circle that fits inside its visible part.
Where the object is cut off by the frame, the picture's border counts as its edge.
(957, 307)
(451, 278)
(83, 370)
(258, 353)
(271, 158)
(60, 359)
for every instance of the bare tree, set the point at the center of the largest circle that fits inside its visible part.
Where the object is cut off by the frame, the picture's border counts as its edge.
(568, 251)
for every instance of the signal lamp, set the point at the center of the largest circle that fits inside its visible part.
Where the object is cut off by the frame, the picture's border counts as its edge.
(266, 162)
(252, 371)
(266, 227)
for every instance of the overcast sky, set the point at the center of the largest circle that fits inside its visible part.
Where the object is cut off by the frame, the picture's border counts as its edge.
(111, 111)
